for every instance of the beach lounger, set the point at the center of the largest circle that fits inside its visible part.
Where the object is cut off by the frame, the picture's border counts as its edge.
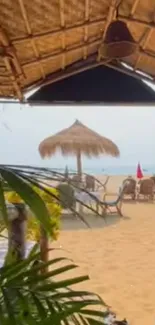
(146, 189)
(110, 207)
(130, 188)
(93, 184)
(90, 183)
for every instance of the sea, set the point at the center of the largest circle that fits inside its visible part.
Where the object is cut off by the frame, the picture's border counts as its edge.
(114, 170)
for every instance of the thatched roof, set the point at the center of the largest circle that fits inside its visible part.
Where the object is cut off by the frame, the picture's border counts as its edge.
(96, 85)
(77, 138)
(45, 41)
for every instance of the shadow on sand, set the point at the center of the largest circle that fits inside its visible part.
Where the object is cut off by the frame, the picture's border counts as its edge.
(71, 222)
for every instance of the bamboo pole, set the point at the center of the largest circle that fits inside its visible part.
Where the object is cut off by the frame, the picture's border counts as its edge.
(58, 31)
(29, 31)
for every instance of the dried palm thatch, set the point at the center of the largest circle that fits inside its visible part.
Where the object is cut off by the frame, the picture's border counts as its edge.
(45, 41)
(77, 140)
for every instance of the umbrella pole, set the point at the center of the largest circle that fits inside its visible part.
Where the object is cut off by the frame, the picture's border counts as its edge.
(79, 165)
(79, 172)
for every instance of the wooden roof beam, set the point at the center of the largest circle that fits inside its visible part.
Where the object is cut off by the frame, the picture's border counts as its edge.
(145, 39)
(134, 7)
(137, 21)
(62, 23)
(147, 34)
(11, 68)
(29, 31)
(83, 65)
(59, 53)
(87, 5)
(57, 32)
(10, 50)
(97, 42)
(13, 79)
(110, 17)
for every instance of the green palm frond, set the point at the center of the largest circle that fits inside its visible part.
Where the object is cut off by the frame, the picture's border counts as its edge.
(32, 297)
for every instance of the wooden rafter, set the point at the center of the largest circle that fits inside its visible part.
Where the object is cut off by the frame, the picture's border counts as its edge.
(39, 29)
(134, 7)
(132, 12)
(96, 43)
(146, 37)
(87, 5)
(10, 50)
(62, 23)
(59, 53)
(83, 65)
(29, 31)
(137, 21)
(58, 31)
(110, 17)
(12, 64)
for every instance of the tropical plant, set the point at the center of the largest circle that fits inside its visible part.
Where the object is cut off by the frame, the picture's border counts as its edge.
(29, 297)
(27, 183)
(33, 226)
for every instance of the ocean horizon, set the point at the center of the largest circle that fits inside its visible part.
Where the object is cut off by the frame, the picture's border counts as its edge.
(112, 170)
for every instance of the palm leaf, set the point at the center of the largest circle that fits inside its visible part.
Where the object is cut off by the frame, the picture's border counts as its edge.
(42, 277)
(35, 302)
(92, 321)
(25, 270)
(62, 284)
(42, 311)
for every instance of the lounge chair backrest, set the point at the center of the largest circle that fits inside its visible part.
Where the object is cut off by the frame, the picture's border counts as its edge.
(121, 193)
(75, 180)
(90, 182)
(153, 178)
(147, 187)
(130, 186)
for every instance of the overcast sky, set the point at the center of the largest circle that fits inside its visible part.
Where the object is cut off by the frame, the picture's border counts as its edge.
(23, 127)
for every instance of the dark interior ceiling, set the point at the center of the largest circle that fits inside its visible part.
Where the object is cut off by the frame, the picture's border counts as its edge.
(101, 84)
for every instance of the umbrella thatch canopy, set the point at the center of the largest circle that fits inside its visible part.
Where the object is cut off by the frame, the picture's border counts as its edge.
(42, 41)
(77, 140)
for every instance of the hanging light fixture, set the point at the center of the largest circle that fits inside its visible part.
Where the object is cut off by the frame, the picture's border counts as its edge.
(118, 42)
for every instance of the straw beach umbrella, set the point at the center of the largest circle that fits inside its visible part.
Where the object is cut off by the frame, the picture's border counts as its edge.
(77, 140)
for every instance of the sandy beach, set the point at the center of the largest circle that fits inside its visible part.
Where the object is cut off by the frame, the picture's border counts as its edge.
(119, 257)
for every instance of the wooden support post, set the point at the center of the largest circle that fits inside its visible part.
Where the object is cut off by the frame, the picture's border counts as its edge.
(17, 233)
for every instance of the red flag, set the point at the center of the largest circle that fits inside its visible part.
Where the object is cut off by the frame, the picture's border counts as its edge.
(139, 172)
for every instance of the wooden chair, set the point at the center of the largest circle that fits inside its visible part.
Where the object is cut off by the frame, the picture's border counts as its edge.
(146, 189)
(117, 204)
(90, 183)
(130, 188)
(77, 182)
(153, 178)
(94, 185)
